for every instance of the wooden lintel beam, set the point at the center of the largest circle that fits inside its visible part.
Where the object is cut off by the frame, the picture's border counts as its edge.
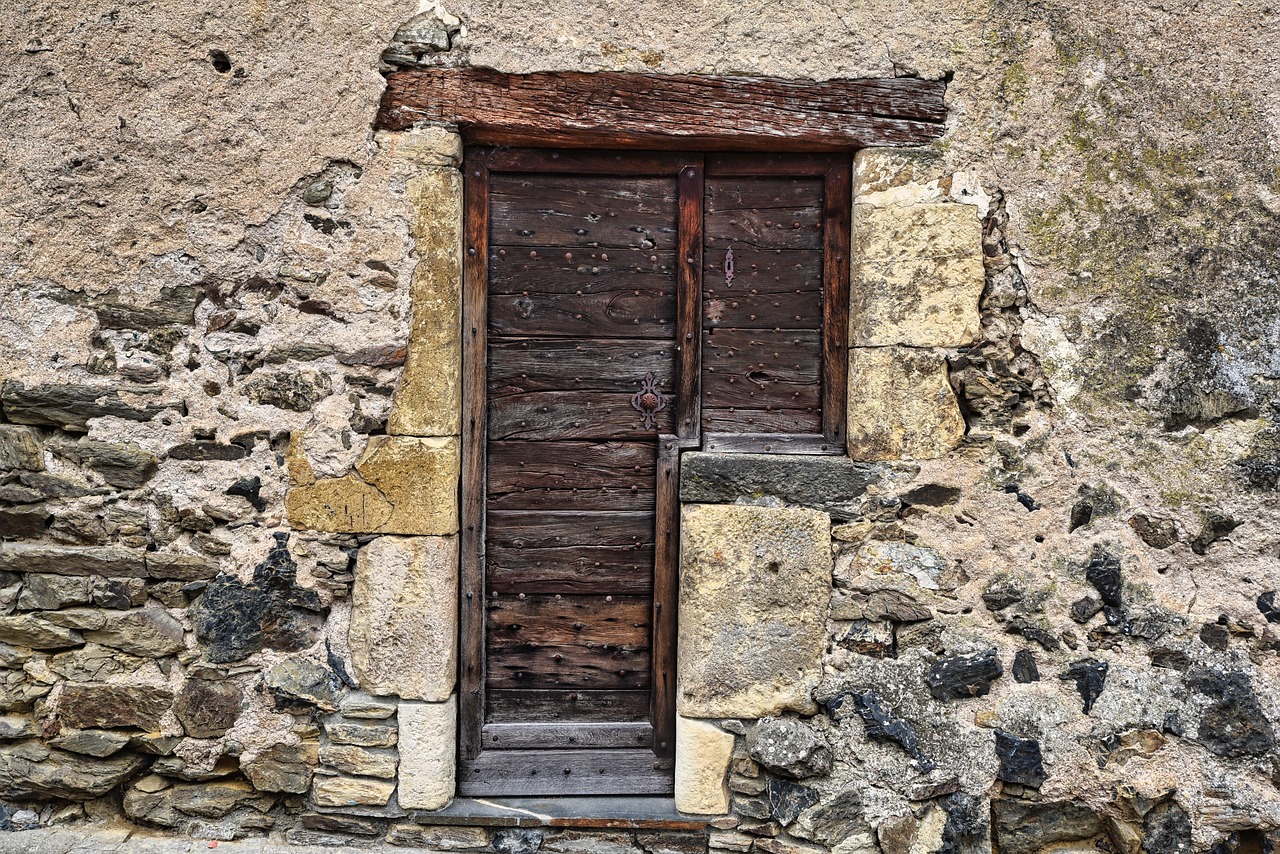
(618, 110)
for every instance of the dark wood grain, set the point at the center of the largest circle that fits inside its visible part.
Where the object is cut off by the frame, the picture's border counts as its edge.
(525, 364)
(570, 553)
(837, 212)
(790, 310)
(765, 271)
(688, 398)
(556, 269)
(471, 697)
(561, 621)
(763, 213)
(579, 162)
(666, 570)
(769, 443)
(744, 420)
(567, 667)
(618, 109)
(607, 310)
(565, 772)
(566, 704)
(773, 165)
(570, 415)
(571, 476)
(760, 368)
(580, 212)
(572, 736)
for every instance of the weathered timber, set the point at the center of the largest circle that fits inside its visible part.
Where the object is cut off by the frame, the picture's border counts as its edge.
(566, 736)
(568, 666)
(791, 310)
(571, 476)
(617, 109)
(566, 704)
(764, 213)
(764, 271)
(688, 398)
(758, 421)
(837, 194)
(582, 212)
(560, 269)
(665, 589)
(524, 364)
(568, 553)
(757, 369)
(516, 621)
(569, 772)
(571, 415)
(607, 311)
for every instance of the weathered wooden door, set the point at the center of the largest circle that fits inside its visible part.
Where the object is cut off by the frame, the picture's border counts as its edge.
(619, 308)
(583, 290)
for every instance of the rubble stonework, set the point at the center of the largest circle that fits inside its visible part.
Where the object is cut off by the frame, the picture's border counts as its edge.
(1032, 610)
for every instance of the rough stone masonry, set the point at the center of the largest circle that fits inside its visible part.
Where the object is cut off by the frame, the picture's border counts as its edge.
(1034, 610)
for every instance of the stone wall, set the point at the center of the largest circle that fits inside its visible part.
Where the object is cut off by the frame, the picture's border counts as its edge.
(1034, 609)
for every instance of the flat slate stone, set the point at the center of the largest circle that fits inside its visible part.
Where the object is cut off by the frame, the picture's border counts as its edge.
(832, 484)
(71, 406)
(73, 560)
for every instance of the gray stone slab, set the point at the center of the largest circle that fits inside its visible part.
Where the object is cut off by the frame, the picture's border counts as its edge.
(832, 484)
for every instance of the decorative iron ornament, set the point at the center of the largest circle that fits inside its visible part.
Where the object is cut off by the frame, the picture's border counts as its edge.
(728, 268)
(649, 401)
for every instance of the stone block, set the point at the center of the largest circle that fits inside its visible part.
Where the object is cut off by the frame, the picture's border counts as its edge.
(918, 303)
(754, 589)
(207, 708)
(404, 617)
(361, 735)
(123, 465)
(95, 706)
(402, 485)
(900, 405)
(73, 560)
(428, 736)
(30, 630)
(20, 448)
(832, 484)
(29, 770)
(148, 632)
(431, 145)
(356, 760)
(70, 406)
(351, 791)
(703, 753)
(915, 232)
(43, 592)
(427, 400)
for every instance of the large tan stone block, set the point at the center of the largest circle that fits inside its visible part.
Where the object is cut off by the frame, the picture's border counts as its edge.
(404, 617)
(402, 485)
(427, 401)
(420, 479)
(927, 303)
(900, 405)
(424, 146)
(915, 232)
(428, 735)
(703, 752)
(754, 588)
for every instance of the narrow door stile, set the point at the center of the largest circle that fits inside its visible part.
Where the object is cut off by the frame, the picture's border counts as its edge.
(836, 244)
(689, 302)
(666, 584)
(471, 616)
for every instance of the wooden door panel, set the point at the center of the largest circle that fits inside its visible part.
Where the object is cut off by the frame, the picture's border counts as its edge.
(565, 704)
(567, 736)
(559, 415)
(571, 476)
(591, 621)
(752, 421)
(568, 667)
(583, 212)
(765, 271)
(608, 311)
(570, 553)
(790, 310)
(755, 369)
(763, 213)
(518, 365)
(555, 269)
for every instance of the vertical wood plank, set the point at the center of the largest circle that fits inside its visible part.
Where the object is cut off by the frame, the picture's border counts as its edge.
(471, 622)
(837, 213)
(689, 301)
(665, 583)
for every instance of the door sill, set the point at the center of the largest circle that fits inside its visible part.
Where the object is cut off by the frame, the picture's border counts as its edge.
(619, 811)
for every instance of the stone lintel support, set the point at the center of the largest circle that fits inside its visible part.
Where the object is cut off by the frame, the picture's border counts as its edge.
(900, 405)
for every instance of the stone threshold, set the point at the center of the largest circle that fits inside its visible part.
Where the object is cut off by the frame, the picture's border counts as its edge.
(639, 812)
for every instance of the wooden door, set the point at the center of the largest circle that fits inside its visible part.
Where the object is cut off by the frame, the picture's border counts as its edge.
(620, 308)
(581, 305)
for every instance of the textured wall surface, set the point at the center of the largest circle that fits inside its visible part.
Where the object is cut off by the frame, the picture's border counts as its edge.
(207, 263)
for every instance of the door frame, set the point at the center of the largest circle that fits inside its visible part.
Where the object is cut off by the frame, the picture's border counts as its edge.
(641, 771)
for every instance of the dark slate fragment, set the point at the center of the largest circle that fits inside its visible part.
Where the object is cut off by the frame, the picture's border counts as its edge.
(1234, 724)
(1024, 667)
(1004, 590)
(22, 524)
(517, 840)
(931, 495)
(249, 489)
(70, 406)
(1216, 526)
(208, 708)
(964, 676)
(1174, 659)
(1020, 760)
(1167, 830)
(881, 723)
(1085, 609)
(788, 799)
(1034, 632)
(968, 824)
(236, 620)
(1154, 531)
(1215, 636)
(1081, 515)
(1025, 500)
(833, 484)
(1267, 605)
(752, 807)
(1090, 677)
(1103, 572)
(208, 452)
